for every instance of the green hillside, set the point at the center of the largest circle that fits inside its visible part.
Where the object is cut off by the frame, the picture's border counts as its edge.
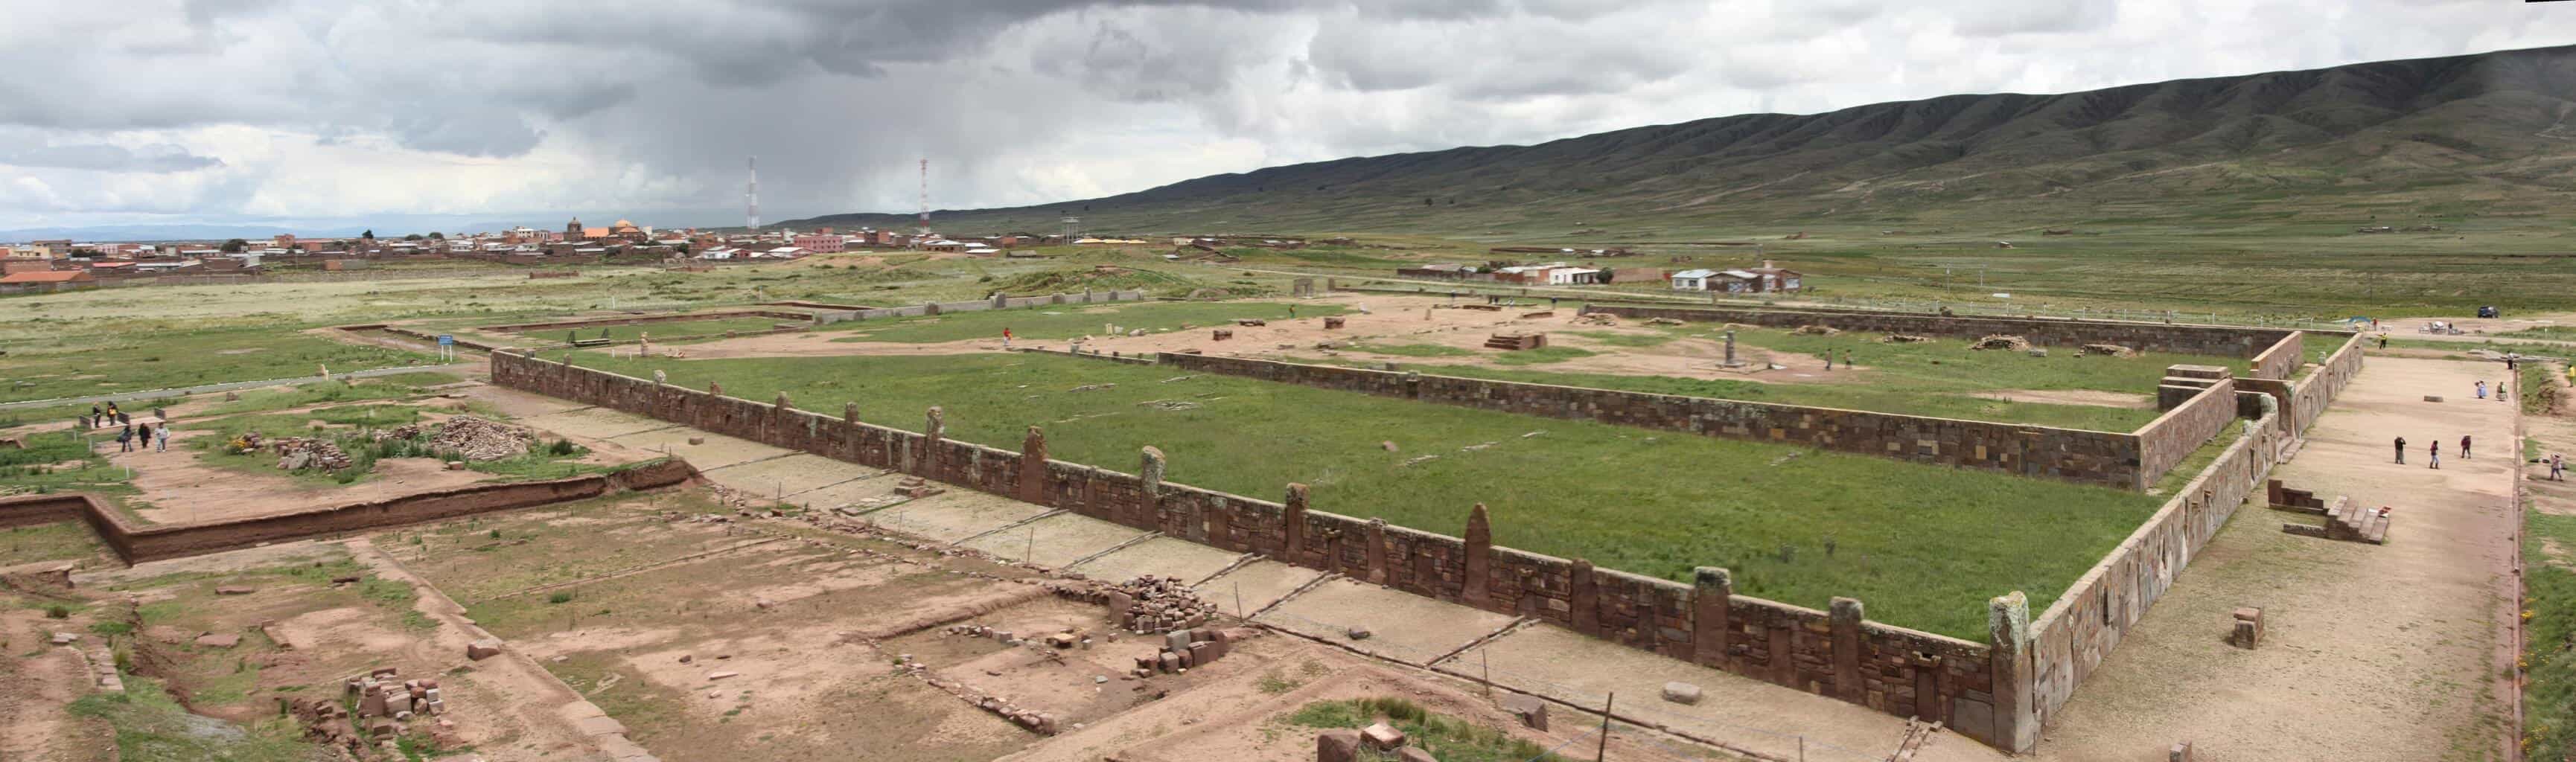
(2488, 136)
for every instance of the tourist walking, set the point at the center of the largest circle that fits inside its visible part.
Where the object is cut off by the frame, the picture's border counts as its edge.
(2557, 467)
(2509, 362)
(161, 438)
(2464, 447)
(1006, 337)
(2401, 451)
(125, 440)
(2482, 390)
(2383, 341)
(143, 436)
(2435, 449)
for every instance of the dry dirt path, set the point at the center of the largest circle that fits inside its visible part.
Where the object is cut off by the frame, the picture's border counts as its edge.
(36, 692)
(2371, 653)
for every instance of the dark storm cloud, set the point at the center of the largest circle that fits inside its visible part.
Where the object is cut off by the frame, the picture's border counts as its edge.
(306, 107)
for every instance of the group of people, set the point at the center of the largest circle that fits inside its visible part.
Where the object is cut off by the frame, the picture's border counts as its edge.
(132, 435)
(2433, 451)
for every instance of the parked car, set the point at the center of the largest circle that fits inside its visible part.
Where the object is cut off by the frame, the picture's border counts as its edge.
(2486, 312)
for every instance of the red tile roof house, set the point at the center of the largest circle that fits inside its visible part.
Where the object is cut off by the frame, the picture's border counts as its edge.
(47, 280)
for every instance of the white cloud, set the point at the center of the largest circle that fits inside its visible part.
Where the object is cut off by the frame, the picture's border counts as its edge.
(210, 110)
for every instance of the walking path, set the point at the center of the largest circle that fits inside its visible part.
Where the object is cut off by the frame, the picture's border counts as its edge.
(2385, 652)
(234, 386)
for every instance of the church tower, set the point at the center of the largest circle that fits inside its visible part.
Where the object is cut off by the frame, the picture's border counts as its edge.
(572, 230)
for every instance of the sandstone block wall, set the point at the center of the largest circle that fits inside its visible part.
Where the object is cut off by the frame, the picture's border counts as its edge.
(2223, 341)
(2092, 457)
(2282, 359)
(2082, 627)
(2170, 438)
(1893, 669)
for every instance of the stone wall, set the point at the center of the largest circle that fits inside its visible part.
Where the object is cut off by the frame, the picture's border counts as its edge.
(2066, 642)
(2170, 438)
(136, 543)
(2092, 457)
(2222, 341)
(2303, 400)
(563, 325)
(998, 302)
(2282, 359)
(1836, 653)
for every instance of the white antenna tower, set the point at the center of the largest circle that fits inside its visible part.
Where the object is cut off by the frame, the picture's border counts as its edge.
(925, 197)
(751, 195)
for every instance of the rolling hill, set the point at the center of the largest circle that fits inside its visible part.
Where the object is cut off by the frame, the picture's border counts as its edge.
(2491, 133)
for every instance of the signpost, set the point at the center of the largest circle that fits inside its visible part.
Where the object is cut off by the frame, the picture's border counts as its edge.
(447, 347)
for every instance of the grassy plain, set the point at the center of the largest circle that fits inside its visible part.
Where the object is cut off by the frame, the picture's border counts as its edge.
(1925, 545)
(64, 367)
(671, 330)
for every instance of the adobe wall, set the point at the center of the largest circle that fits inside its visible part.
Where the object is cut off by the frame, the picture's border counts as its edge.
(2223, 341)
(2172, 437)
(1835, 653)
(137, 543)
(2091, 457)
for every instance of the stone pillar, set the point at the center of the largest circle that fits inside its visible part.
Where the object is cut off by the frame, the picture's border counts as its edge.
(1150, 472)
(849, 412)
(1033, 470)
(1293, 524)
(1711, 588)
(1478, 567)
(1586, 600)
(1377, 551)
(1730, 351)
(934, 428)
(2015, 720)
(781, 405)
(1846, 615)
(715, 389)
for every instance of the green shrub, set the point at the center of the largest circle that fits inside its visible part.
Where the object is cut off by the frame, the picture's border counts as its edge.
(58, 611)
(560, 597)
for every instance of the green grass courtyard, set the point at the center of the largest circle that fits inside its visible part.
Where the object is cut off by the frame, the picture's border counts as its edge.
(1924, 545)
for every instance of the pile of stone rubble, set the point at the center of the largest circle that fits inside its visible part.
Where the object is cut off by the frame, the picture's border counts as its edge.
(476, 439)
(2002, 341)
(300, 453)
(383, 707)
(1151, 604)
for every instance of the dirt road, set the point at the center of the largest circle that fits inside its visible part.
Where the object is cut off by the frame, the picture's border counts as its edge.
(2370, 652)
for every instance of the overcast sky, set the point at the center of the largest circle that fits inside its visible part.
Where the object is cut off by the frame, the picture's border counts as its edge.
(312, 113)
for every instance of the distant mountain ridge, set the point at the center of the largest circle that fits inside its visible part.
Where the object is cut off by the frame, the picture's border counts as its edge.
(2500, 126)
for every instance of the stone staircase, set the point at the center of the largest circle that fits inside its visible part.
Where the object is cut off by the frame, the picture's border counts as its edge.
(2344, 520)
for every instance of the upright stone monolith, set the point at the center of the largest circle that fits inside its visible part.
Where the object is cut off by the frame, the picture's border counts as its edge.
(2012, 718)
(849, 412)
(715, 389)
(1585, 599)
(1376, 551)
(1033, 458)
(1712, 622)
(1292, 520)
(934, 430)
(1730, 360)
(1149, 471)
(1478, 566)
(1845, 616)
(782, 405)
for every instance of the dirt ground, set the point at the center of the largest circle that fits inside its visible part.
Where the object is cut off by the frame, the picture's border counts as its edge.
(177, 488)
(1389, 320)
(37, 684)
(2373, 652)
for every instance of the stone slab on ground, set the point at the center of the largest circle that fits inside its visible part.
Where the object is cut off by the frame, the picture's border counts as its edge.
(594, 422)
(788, 475)
(1055, 540)
(1757, 716)
(1405, 627)
(873, 484)
(2371, 653)
(1261, 582)
(954, 515)
(1162, 557)
(716, 451)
